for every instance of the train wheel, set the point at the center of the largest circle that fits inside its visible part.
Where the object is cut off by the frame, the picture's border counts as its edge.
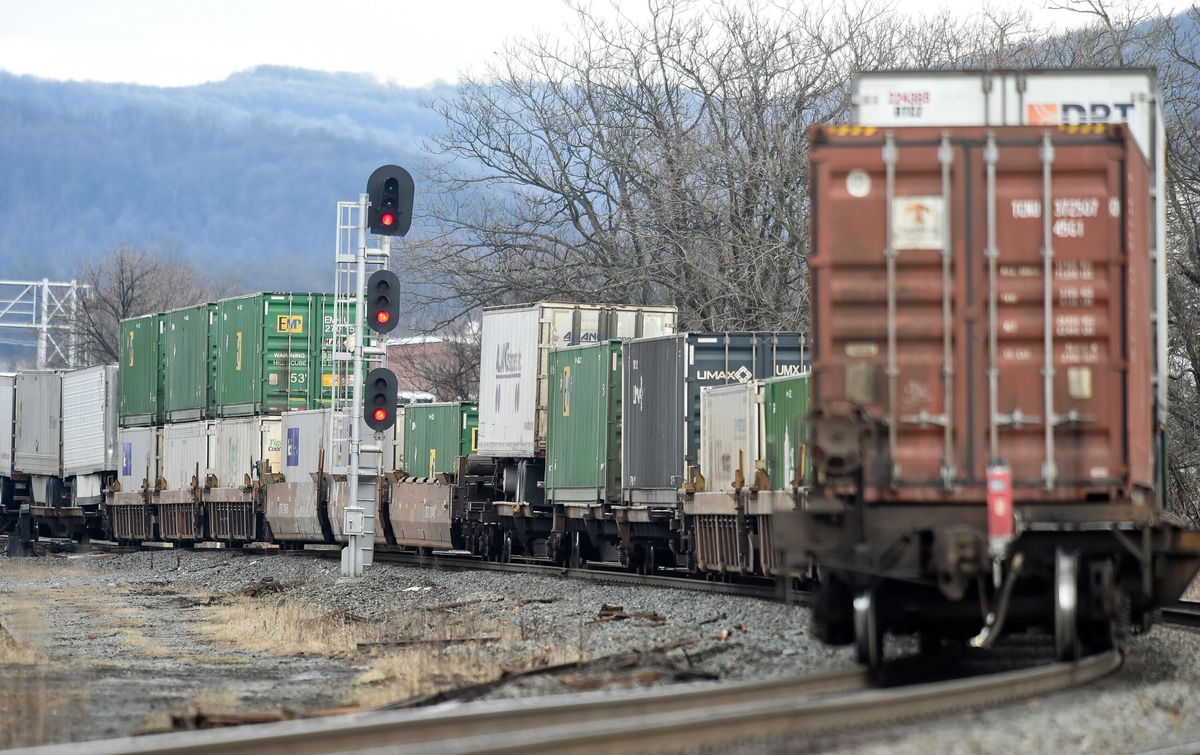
(1066, 605)
(575, 559)
(506, 548)
(868, 634)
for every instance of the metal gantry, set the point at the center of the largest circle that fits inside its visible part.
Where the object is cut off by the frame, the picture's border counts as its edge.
(355, 453)
(47, 310)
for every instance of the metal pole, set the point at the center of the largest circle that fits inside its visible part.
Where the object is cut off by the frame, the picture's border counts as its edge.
(43, 326)
(352, 559)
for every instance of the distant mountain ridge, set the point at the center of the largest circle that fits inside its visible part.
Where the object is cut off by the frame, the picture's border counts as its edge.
(241, 175)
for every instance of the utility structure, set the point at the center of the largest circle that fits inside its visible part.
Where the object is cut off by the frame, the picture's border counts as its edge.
(356, 447)
(48, 309)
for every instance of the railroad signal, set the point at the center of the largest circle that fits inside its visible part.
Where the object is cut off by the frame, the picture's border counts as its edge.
(379, 406)
(390, 201)
(383, 301)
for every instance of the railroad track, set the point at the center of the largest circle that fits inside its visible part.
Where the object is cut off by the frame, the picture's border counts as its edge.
(1184, 613)
(674, 718)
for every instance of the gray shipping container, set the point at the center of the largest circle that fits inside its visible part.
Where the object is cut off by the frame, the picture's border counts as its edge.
(184, 452)
(89, 406)
(138, 457)
(660, 425)
(37, 448)
(8, 408)
(238, 444)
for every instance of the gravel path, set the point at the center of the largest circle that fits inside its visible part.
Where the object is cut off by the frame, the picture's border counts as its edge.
(124, 640)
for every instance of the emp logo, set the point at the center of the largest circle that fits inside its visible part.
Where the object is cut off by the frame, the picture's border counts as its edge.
(289, 323)
(1069, 113)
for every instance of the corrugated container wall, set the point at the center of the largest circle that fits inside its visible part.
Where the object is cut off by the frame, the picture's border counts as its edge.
(184, 454)
(583, 450)
(267, 353)
(238, 445)
(785, 423)
(730, 434)
(1046, 97)
(1063, 335)
(435, 435)
(139, 382)
(37, 448)
(138, 457)
(516, 342)
(185, 362)
(304, 434)
(8, 408)
(89, 406)
(661, 406)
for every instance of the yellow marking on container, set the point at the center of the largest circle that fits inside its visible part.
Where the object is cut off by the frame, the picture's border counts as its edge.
(432, 461)
(474, 438)
(289, 323)
(130, 348)
(238, 353)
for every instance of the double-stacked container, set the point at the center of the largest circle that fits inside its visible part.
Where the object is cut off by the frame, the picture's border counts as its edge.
(89, 430)
(140, 372)
(435, 435)
(661, 404)
(583, 456)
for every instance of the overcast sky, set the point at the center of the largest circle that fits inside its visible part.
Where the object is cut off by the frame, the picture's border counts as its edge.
(409, 42)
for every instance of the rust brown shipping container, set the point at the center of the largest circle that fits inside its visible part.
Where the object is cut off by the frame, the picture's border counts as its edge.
(931, 279)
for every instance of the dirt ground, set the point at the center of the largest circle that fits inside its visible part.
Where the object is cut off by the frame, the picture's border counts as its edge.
(97, 645)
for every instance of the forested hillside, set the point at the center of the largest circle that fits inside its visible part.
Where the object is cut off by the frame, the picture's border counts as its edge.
(240, 175)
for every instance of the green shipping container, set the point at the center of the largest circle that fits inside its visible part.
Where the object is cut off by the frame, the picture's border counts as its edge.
(785, 417)
(185, 348)
(583, 443)
(267, 354)
(140, 372)
(435, 435)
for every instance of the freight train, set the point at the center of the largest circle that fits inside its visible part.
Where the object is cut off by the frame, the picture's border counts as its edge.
(215, 426)
(970, 444)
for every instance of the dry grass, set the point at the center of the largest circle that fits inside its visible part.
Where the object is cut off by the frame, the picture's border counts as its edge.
(19, 623)
(39, 568)
(285, 626)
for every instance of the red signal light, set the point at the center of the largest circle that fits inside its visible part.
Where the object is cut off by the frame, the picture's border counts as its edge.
(380, 415)
(387, 218)
(382, 317)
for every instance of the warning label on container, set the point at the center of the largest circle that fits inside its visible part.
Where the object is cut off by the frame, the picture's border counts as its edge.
(917, 222)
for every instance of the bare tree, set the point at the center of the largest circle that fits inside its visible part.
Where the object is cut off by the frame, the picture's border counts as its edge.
(129, 282)
(446, 365)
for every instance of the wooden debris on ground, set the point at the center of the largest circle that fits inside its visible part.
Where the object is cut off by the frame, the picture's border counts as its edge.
(618, 613)
(413, 641)
(266, 586)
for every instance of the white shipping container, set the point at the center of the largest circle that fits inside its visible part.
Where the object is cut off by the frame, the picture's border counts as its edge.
(730, 433)
(89, 404)
(305, 433)
(516, 343)
(37, 448)
(1037, 98)
(184, 452)
(237, 445)
(138, 457)
(8, 407)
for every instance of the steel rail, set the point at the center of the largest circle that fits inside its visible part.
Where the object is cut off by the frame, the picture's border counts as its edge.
(1184, 613)
(629, 721)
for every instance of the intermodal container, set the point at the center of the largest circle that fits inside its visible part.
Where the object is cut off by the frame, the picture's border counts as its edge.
(1029, 353)
(8, 407)
(267, 353)
(435, 435)
(89, 420)
(238, 445)
(185, 449)
(140, 376)
(516, 343)
(785, 424)
(37, 446)
(661, 403)
(138, 457)
(730, 435)
(185, 349)
(583, 448)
